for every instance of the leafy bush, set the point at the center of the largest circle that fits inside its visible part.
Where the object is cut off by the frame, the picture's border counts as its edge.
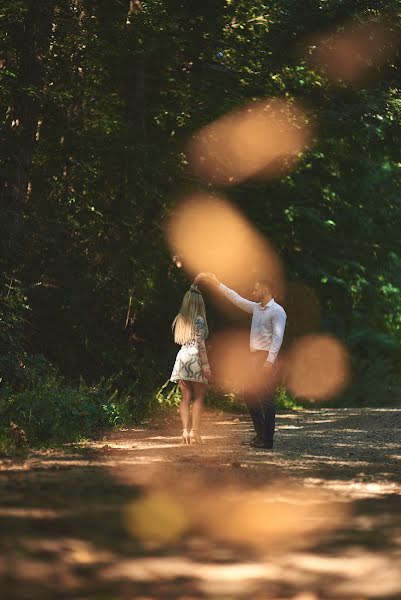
(374, 383)
(13, 312)
(376, 380)
(51, 411)
(285, 400)
(169, 394)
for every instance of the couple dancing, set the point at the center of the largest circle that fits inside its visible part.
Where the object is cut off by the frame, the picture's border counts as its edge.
(191, 369)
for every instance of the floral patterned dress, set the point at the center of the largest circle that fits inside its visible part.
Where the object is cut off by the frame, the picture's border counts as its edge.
(192, 357)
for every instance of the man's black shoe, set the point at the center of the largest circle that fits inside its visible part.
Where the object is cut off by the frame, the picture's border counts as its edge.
(262, 444)
(254, 440)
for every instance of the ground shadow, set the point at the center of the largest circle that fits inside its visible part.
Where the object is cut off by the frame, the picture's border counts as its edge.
(64, 535)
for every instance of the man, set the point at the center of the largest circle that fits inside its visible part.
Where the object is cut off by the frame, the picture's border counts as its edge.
(267, 332)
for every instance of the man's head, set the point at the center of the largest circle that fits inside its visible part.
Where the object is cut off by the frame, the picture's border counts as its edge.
(262, 290)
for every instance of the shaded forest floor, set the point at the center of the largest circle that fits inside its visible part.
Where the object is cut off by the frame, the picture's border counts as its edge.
(138, 515)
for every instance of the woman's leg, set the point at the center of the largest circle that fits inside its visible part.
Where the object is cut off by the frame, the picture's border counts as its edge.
(199, 391)
(186, 393)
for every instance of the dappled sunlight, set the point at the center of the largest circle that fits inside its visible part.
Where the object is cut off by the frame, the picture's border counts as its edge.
(142, 460)
(220, 518)
(155, 446)
(322, 421)
(356, 572)
(236, 579)
(242, 426)
(261, 139)
(318, 458)
(211, 235)
(357, 489)
(347, 571)
(74, 550)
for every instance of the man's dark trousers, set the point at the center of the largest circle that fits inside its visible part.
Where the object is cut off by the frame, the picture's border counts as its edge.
(260, 403)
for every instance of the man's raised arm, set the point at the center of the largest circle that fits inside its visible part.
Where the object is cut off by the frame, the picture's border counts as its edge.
(242, 303)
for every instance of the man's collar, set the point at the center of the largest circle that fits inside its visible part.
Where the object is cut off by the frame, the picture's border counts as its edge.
(270, 303)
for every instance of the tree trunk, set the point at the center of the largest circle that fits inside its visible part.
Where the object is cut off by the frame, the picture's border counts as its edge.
(19, 133)
(23, 119)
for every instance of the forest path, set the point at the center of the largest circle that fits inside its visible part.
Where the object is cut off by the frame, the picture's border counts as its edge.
(139, 515)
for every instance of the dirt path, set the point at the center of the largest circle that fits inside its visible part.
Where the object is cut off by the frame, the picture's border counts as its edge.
(140, 516)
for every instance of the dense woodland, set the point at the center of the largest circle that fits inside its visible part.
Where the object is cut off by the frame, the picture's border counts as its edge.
(98, 101)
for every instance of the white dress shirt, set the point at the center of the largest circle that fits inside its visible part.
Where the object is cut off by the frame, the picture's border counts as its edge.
(268, 322)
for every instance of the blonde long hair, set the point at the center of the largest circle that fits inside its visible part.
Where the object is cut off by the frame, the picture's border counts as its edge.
(184, 324)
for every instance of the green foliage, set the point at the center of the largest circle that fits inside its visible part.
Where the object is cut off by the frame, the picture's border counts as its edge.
(52, 411)
(13, 314)
(229, 402)
(376, 383)
(375, 359)
(169, 395)
(286, 401)
(8, 446)
(88, 283)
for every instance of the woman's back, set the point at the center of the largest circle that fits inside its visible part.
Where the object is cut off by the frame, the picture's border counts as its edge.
(200, 332)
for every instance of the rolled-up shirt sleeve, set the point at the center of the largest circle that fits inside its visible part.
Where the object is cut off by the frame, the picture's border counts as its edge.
(242, 303)
(278, 328)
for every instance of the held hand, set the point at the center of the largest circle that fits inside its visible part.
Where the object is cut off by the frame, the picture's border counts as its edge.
(213, 279)
(199, 278)
(207, 278)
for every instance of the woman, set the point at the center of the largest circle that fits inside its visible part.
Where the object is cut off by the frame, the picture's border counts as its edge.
(191, 368)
